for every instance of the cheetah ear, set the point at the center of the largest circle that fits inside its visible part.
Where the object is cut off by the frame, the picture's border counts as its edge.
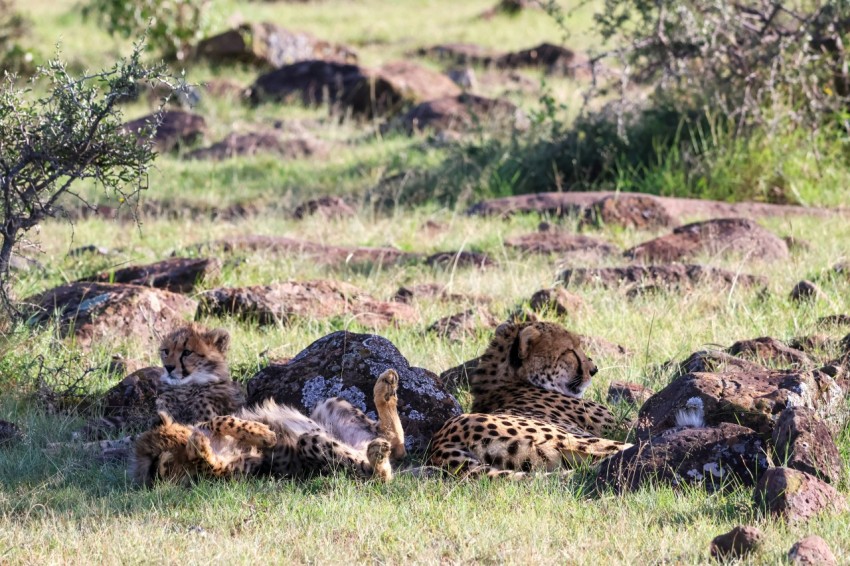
(527, 336)
(165, 419)
(219, 338)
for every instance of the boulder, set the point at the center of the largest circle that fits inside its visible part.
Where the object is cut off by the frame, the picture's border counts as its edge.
(679, 276)
(134, 397)
(267, 45)
(600, 347)
(770, 350)
(169, 129)
(752, 399)
(457, 378)
(463, 325)
(802, 442)
(737, 543)
(367, 92)
(553, 59)
(331, 208)
(806, 290)
(463, 113)
(460, 259)
(556, 300)
(280, 302)
(321, 253)
(256, 143)
(460, 53)
(627, 392)
(346, 365)
(639, 212)
(550, 242)
(713, 361)
(178, 274)
(96, 311)
(715, 458)
(719, 237)
(811, 551)
(796, 496)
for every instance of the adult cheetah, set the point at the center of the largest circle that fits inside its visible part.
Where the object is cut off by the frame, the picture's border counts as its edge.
(527, 411)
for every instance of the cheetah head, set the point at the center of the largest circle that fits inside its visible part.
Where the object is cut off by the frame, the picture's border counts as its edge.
(550, 357)
(163, 453)
(192, 354)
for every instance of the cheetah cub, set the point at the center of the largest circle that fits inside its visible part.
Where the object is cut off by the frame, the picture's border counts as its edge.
(277, 440)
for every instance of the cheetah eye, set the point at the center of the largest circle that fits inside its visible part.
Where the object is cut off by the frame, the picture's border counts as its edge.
(164, 351)
(187, 352)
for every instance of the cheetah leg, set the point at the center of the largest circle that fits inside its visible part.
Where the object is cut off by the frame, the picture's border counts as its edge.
(105, 450)
(250, 432)
(200, 448)
(386, 402)
(457, 460)
(322, 454)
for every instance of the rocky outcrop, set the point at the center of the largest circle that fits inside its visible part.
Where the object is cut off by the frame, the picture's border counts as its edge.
(715, 458)
(92, 312)
(346, 365)
(796, 496)
(281, 302)
(178, 274)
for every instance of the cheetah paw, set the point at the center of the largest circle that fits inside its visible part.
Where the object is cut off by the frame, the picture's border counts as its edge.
(386, 387)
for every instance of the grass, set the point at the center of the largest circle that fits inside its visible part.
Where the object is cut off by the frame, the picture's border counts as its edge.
(64, 508)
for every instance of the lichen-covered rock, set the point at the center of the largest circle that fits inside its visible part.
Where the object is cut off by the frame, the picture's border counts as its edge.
(801, 441)
(457, 378)
(796, 496)
(346, 365)
(723, 236)
(179, 275)
(97, 311)
(753, 399)
(280, 302)
(715, 458)
(811, 551)
(737, 543)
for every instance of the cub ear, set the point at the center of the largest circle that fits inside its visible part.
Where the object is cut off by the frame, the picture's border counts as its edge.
(165, 419)
(527, 337)
(219, 338)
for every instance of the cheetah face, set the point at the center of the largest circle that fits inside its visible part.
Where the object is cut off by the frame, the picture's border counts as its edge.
(162, 454)
(194, 355)
(548, 356)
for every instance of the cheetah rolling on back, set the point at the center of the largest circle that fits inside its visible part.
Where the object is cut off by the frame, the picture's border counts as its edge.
(527, 411)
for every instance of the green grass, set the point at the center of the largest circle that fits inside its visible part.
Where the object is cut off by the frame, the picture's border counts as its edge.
(63, 508)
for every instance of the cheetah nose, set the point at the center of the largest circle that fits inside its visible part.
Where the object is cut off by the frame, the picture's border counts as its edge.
(169, 369)
(593, 371)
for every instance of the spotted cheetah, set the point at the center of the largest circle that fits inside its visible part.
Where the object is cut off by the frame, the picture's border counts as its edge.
(527, 411)
(277, 440)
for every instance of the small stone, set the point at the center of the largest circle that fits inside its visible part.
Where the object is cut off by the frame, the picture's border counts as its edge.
(806, 290)
(737, 543)
(813, 551)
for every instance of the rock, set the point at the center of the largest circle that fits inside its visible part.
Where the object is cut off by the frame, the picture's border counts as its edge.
(463, 113)
(178, 274)
(815, 345)
(267, 45)
(737, 543)
(796, 244)
(796, 496)
(280, 302)
(175, 129)
(834, 320)
(556, 300)
(811, 551)
(453, 260)
(550, 242)
(96, 311)
(256, 143)
(10, 433)
(90, 249)
(457, 378)
(801, 441)
(627, 392)
(554, 59)
(411, 293)
(572, 202)
(712, 361)
(723, 237)
(119, 365)
(601, 347)
(681, 276)
(720, 457)
(463, 325)
(639, 212)
(770, 350)
(321, 253)
(752, 399)
(331, 208)
(460, 53)
(225, 88)
(366, 92)
(346, 365)
(134, 397)
(806, 290)
(23, 264)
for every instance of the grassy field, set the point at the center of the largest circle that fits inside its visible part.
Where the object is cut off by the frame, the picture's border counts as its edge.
(64, 508)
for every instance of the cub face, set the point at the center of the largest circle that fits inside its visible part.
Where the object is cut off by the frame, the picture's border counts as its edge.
(550, 357)
(192, 354)
(162, 454)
